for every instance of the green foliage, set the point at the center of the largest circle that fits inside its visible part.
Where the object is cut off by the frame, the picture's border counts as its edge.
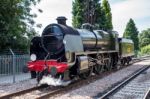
(144, 38)
(107, 12)
(90, 11)
(16, 23)
(132, 33)
(78, 13)
(96, 13)
(101, 19)
(85, 11)
(145, 50)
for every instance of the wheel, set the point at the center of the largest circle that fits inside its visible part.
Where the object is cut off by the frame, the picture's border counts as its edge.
(41, 74)
(33, 74)
(107, 66)
(86, 74)
(73, 72)
(98, 69)
(127, 62)
(123, 62)
(115, 61)
(108, 63)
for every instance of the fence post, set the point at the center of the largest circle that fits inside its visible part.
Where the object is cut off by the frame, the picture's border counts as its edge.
(14, 64)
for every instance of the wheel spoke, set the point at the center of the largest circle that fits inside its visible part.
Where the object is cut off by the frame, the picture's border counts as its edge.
(98, 69)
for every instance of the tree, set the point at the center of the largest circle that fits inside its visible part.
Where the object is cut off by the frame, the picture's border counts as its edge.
(144, 38)
(16, 22)
(145, 50)
(106, 10)
(86, 11)
(91, 11)
(78, 13)
(101, 19)
(132, 33)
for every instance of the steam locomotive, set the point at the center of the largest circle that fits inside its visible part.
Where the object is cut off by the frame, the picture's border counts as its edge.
(65, 53)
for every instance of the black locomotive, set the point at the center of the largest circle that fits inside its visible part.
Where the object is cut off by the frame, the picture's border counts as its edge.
(63, 50)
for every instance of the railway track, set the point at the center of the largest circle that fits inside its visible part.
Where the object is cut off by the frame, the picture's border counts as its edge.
(18, 93)
(147, 95)
(71, 86)
(21, 92)
(118, 87)
(53, 91)
(48, 91)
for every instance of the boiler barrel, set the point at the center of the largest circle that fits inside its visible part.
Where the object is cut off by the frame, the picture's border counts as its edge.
(95, 40)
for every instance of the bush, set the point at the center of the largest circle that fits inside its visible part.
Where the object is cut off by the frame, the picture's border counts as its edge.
(145, 50)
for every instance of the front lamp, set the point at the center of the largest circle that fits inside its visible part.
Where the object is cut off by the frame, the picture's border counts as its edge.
(33, 57)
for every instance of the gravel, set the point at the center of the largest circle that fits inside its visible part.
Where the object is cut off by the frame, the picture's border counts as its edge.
(10, 88)
(136, 89)
(85, 92)
(101, 85)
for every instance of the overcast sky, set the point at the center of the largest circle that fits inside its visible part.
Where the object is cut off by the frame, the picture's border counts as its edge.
(122, 11)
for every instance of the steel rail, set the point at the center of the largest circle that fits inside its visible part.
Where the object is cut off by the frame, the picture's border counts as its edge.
(53, 92)
(147, 95)
(8, 96)
(119, 86)
(62, 89)
(57, 91)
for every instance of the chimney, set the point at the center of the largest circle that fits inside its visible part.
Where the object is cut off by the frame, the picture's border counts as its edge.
(61, 20)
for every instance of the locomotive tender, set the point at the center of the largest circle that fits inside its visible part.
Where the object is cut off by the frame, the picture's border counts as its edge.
(67, 52)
